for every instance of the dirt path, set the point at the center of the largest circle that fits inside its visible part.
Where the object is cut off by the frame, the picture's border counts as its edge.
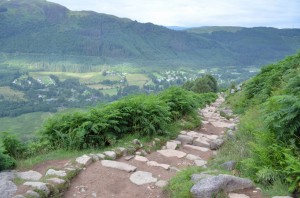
(100, 181)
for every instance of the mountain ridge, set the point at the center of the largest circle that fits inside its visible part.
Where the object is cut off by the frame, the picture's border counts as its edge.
(38, 26)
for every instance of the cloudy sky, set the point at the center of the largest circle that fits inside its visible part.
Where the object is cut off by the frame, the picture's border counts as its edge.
(194, 13)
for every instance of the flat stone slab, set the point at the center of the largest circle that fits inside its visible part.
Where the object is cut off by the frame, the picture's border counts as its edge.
(200, 162)
(29, 175)
(192, 157)
(201, 142)
(127, 158)
(153, 163)
(142, 177)
(38, 185)
(84, 160)
(59, 173)
(235, 195)
(198, 148)
(172, 153)
(118, 165)
(140, 158)
(171, 145)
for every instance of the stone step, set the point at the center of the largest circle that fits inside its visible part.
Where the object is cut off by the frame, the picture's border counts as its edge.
(140, 158)
(142, 177)
(118, 165)
(198, 148)
(154, 163)
(172, 153)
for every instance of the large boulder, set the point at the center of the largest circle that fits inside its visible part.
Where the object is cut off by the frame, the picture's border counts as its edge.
(39, 186)
(84, 160)
(212, 185)
(216, 144)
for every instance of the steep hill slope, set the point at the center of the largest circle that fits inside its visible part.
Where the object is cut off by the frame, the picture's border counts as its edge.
(41, 27)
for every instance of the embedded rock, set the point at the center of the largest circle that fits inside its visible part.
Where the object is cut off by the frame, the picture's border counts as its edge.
(161, 183)
(38, 185)
(185, 139)
(235, 195)
(110, 154)
(56, 180)
(229, 165)
(210, 186)
(141, 178)
(171, 145)
(216, 144)
(153, 163)
(118, 165)
(203, 149)
(202, 142)
(200, 162)
(56, 173)
(192, 157)
(29, 175)
(172, 153)
(84, 160)
(141, 158)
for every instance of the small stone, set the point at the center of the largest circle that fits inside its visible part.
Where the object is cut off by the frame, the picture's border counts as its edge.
(144, 153)
(138, 153)
(33, 194)
(38, 185)
(142, 177)
(153, 163)
(161, 183)
(137, 142)
(127, 158)
(185, 139)
(30, 175)
(235, 195)
(101, 156)
(94, 194)
(110, 154)
(59, 173)
(122, 151)
(56, 180)
(282, 197)
(118, 165)
(19, 196)
(157, 139)
(176, 141)
(141, 158)
(172, 153)
(84, 160)
(192, 157)
(200, 162)
(171, 145)
(183, 132)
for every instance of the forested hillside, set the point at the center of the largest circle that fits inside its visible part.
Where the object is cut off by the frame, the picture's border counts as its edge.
(268, 143)
(39, 29)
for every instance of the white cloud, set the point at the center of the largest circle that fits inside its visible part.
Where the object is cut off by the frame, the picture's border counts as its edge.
(276, 13)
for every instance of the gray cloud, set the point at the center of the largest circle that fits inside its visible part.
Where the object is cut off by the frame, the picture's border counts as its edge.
(192, 13)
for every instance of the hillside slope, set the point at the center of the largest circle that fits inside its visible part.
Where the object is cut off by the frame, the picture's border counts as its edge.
(41, 27)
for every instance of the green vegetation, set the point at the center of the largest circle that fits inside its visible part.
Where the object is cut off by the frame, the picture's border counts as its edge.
(180, 185)
(107, 125)
(202, 85)
(267, 144)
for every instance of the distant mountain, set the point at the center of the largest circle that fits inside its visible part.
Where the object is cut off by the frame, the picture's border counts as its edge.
(210, 29)
(177, 28)
(41, 27)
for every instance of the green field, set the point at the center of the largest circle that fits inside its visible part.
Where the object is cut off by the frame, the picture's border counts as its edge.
(27, 125)
(84, 78)
(24, 126)
(10, 94)
(110, 92)
(137, 79)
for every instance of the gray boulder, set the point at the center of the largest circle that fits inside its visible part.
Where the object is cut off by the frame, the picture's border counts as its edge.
(7, 188)
(141, 178)
(185, 139)
(216, 144)
(38, 185)
(211, 186)
(30, 175)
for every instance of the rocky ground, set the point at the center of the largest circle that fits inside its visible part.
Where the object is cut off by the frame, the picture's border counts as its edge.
(119, 174)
